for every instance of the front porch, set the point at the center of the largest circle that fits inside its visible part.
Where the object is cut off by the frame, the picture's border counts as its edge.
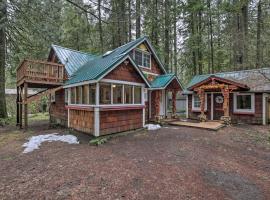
(217, 91)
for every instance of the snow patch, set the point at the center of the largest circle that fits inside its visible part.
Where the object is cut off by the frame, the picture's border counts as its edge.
(152, 127)
(35, 141)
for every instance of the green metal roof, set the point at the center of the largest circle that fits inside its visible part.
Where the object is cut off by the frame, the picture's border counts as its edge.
(72, 59)
(95, 68)
(162, 80)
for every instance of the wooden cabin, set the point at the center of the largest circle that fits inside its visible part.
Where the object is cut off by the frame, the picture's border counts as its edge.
(118, 91)
(234, 97)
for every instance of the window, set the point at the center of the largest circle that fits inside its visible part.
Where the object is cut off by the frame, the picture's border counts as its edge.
(138, 57)
(137, 95)
(92, 94)
(73, 95)
(66, 96)
(146, 60)
(196, 102)
(243, 102)
(105, 94)
(145, 95)
(142, 58)
(128, 94)
(117, 94)
(79, 95)
(85, 95)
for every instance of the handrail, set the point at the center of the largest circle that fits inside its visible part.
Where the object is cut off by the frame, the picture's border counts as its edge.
(40, 71)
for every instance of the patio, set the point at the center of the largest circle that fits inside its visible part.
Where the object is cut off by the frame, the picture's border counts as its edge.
(208, 125)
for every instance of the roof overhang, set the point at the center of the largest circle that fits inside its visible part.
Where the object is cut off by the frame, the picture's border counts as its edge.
(213, 78)
(174, 77)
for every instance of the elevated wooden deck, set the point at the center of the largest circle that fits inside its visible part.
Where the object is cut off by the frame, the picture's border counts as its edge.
(40, 74)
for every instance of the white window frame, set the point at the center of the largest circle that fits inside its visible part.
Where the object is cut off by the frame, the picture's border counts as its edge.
(111, 82)
(143, 52)
(235, 110)
(198, 108)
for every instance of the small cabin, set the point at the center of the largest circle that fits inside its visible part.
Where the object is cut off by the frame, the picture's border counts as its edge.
(118, 91)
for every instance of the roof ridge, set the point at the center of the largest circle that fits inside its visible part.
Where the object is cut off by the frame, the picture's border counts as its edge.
(90, 54)
(236, 71)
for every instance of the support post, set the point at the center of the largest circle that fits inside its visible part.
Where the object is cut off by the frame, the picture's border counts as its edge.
(226, 95)
(201, 94)
(25, 106)
(174, 93)
(157, 106)
(18, 107)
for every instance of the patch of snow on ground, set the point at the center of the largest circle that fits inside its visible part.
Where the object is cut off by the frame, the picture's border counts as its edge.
(35, 141)
(152, 127)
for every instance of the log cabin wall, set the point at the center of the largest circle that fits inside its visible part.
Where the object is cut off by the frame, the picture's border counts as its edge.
(254, 118)
(57, 111)
(120, 120)
(82, 120)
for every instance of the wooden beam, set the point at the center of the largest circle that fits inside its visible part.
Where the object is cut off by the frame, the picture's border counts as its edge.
(17, 107)
(20, 107)
(25, 106)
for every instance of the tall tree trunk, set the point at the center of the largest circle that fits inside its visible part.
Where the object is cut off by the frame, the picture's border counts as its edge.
(193, 33)
(3, 17)
(138, 18)
(167, 35)
(154, 23)
(175, 37)
(259, 25)
(211, 70)
(245, 35)
(199, 31)
(129, 21)
(100, 27)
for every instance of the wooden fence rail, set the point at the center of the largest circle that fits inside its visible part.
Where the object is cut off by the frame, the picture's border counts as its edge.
(33, 70)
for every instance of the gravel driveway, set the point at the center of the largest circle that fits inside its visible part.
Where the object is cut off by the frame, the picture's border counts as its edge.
(170, 163)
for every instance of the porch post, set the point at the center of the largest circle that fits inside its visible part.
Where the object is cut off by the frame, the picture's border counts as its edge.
(226, 94)
(174, 93)
(157, 101)
(201, 94)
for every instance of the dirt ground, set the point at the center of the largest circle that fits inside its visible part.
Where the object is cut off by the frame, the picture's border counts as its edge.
(170, 163)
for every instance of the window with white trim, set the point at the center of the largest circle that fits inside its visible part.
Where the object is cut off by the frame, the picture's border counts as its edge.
(142, 58)
(196, 102)
(105, 93)
(128, 90)
(244, 102)
(137, 95)
(117, 93)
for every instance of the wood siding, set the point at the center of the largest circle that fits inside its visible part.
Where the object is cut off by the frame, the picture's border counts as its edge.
(57, 111)
(119, 121)
(81, 120)
(125, 72)
(254, 118)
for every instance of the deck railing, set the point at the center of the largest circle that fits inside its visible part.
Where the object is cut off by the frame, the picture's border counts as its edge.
(40, 71)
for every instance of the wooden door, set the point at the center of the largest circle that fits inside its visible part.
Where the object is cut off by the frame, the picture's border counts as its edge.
(218, 106)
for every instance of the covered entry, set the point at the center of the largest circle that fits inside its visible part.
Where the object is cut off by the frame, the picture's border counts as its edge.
(160, 87)
(220, 90)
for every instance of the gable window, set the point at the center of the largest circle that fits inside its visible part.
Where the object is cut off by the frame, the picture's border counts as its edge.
(244, 102)
(196, 102)
(142, 58)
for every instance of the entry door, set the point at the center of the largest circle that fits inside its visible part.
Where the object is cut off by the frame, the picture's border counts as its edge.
(162, 103)
(218, 106)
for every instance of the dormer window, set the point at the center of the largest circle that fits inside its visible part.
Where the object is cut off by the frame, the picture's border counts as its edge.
(142, 58)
